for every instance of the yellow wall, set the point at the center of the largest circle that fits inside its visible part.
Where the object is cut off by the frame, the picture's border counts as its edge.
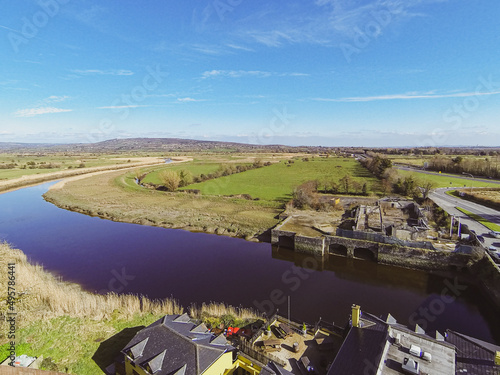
(221, 365)
(245, 364)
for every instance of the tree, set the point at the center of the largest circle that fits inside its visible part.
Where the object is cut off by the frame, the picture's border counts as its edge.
(427, 186)
(186, 177)
(170, 179)
(346, 183)
(364, 190)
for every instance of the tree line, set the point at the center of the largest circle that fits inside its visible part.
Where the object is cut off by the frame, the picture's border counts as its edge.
(172, 180)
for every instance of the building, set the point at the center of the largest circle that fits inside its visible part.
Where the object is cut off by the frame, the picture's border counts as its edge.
(175, 345)
(178, 345)
(474, 356)
(384, 347)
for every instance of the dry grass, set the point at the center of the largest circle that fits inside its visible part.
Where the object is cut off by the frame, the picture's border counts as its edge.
(28, 180)
(59, 320)
(42, 296)
(492, 195)
(214, 309)
(115, 196)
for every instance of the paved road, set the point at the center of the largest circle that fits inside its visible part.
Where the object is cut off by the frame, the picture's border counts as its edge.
(464, 177)
(448, 203)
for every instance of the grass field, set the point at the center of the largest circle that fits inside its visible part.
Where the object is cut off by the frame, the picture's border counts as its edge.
(488, 224)
(196, 169)
(276, 182)
(442, 181)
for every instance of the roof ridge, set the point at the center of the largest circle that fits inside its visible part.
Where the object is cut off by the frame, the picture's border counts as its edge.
(478, 342)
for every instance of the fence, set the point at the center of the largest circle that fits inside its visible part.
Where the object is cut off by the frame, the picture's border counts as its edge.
(250, 350)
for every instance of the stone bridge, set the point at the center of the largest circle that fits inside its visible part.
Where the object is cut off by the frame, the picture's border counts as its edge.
(384, 253)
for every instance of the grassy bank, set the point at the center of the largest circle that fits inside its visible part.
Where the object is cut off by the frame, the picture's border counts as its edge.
(488, 224)
(17, 165)
(117, 197)
(33, 179)
(79, 331)
(443, 181)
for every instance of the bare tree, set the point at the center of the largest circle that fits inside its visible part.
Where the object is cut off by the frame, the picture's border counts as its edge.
(170, 179)
(427, 186)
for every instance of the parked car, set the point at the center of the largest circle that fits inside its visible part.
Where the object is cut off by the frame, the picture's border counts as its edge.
(495, 234)
(480, 238)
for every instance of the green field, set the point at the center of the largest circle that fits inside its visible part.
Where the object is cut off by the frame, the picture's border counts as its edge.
(196, 168)
(62, 162)
(276, 182)
(488, 224)
(442, 181)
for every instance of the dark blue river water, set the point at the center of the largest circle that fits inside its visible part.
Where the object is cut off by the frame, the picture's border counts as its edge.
(105, 256)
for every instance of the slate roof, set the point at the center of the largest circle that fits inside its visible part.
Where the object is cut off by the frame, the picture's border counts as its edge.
(176, 345)
(274, 369)
(473, 355)
(362, 349)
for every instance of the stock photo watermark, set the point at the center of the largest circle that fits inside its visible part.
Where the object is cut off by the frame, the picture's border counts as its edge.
(225, 6)
(121, 106)
(32, 25)
(461, 111)
(292, 280)
(277, 125)
(372, 30)
(118, 282)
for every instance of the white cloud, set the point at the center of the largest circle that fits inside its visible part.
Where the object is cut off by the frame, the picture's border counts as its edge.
(56, 99)
(187, 100)
(122, 106)
(247, 73)
(113, 72)
(327, 22)
(406, 96)
(30, 112)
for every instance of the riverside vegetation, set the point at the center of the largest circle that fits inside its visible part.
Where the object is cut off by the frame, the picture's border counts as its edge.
(244, 204)
(67, 325)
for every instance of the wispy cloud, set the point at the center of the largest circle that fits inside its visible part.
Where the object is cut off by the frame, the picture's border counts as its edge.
(31, 112)
(188, 100)
(240, 48)
(328, 22)
(56, 99)
(406, 96)
(123, 106)
(114, 72)
(8, 28)
(248, 73)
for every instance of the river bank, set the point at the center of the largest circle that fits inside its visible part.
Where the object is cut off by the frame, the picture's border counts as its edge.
(61, 321)
(115, 196)
(31, 180)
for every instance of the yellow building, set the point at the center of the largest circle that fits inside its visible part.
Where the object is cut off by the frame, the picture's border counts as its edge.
(177, 345)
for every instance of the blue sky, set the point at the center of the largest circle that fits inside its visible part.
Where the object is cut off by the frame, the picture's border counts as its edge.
(309, 72)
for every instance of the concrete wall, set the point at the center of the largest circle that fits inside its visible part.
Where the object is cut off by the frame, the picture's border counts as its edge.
(421, 258)
(488, 274)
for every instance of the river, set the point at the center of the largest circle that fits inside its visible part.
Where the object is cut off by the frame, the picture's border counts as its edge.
(102, 256)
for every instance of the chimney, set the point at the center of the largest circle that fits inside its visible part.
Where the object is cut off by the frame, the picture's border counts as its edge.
(355, 315)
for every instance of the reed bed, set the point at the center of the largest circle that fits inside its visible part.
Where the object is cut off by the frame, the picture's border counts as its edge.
(41, 295)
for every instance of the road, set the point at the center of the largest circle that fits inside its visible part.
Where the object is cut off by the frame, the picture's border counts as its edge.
(464, 177)
(448, 203)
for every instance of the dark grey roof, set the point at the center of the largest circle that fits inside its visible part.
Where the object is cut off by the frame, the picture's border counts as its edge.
(362, 349)
(274, 369)
(176, 345)
(473, 355)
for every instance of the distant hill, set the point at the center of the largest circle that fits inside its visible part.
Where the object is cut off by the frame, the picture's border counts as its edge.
(148, 145)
